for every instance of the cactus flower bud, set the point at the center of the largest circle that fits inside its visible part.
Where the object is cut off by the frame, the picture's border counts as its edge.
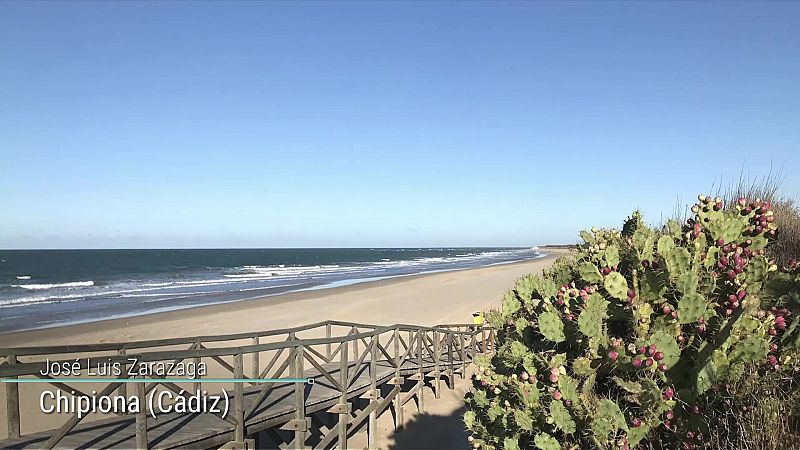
(613, 355)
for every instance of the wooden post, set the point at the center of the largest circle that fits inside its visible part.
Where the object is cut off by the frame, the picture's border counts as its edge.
(463, 353)
(372, 429)
(420, 351)
(197, 386)
(472, 346)
(437, 383)
(344, 416)
(141, 417)
(483, 339)
(12, 403)
(398, 405)
(355, 343)
(256, 368)
(397, 352)
(450, 370)
(328, 345)
(491, 339)
(238, 393)
(299, 400)
(123, 387)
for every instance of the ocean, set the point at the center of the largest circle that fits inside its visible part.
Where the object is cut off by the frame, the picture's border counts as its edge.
(46, 288)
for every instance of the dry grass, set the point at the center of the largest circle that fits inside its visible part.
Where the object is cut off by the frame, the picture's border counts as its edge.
(761, 416)
(787, 214)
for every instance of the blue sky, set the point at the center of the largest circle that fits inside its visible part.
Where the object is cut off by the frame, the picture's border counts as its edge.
(258, 124)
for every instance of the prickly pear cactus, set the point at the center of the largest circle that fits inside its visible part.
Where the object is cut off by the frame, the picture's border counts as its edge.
(628, 342)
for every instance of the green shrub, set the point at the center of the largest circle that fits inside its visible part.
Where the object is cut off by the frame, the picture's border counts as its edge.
(640, 339)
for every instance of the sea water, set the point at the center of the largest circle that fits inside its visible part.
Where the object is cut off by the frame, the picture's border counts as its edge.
(44, 288)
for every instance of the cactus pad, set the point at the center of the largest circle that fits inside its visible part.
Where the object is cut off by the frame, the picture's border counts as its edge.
(691, 307)
(561, 418)
(551, 327)
(589, 273)
(544, 441)
(616, 285)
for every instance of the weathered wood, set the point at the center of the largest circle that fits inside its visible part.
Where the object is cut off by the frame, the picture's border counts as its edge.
(325, 373)
(299, 399)
(12, 402)
(141, 418)
(387, 355)
(269, 386)
(271, 364)
(355, 342)
(256, 371)
(317, 354)
(437, 382)
(197, 386)
(123, 388)
(328, 345)
(398, 407)
(463, 355)
(376, 407)
(372, 426)
(450, 362)
(362, 376)
(343, 417)
(238, 392)
(420, 362)
(105, 347)
(358, 364)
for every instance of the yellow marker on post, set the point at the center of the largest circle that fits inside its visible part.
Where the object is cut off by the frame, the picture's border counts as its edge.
(477, 319)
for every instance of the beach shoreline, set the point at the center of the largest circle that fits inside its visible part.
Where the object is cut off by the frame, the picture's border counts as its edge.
(133, 328)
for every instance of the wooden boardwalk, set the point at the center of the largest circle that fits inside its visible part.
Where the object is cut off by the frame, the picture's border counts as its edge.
(358, 372)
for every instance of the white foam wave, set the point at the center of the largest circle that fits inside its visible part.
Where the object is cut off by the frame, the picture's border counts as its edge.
(38, 287)
(23, 277)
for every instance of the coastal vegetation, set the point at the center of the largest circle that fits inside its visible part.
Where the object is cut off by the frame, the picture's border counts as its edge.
(682, 336)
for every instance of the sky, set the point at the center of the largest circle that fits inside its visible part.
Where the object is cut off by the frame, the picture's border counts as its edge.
(257, 124)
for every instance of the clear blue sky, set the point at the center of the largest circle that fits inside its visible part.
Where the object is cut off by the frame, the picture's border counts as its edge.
(255, 124)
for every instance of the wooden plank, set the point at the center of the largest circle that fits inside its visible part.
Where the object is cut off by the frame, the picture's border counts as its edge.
(324, 372)
(12, 402)
(272, 362)
(299, 400)
(141, 418)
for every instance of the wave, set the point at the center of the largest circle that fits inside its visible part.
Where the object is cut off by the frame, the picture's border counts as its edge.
(39, 287)
(23, 277)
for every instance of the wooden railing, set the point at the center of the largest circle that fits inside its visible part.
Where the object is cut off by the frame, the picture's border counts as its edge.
(340, 353)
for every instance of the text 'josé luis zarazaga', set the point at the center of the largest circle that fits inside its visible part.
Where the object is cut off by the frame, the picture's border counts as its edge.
(132, 367)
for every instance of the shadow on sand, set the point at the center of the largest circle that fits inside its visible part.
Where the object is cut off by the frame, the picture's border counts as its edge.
(427, 432)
